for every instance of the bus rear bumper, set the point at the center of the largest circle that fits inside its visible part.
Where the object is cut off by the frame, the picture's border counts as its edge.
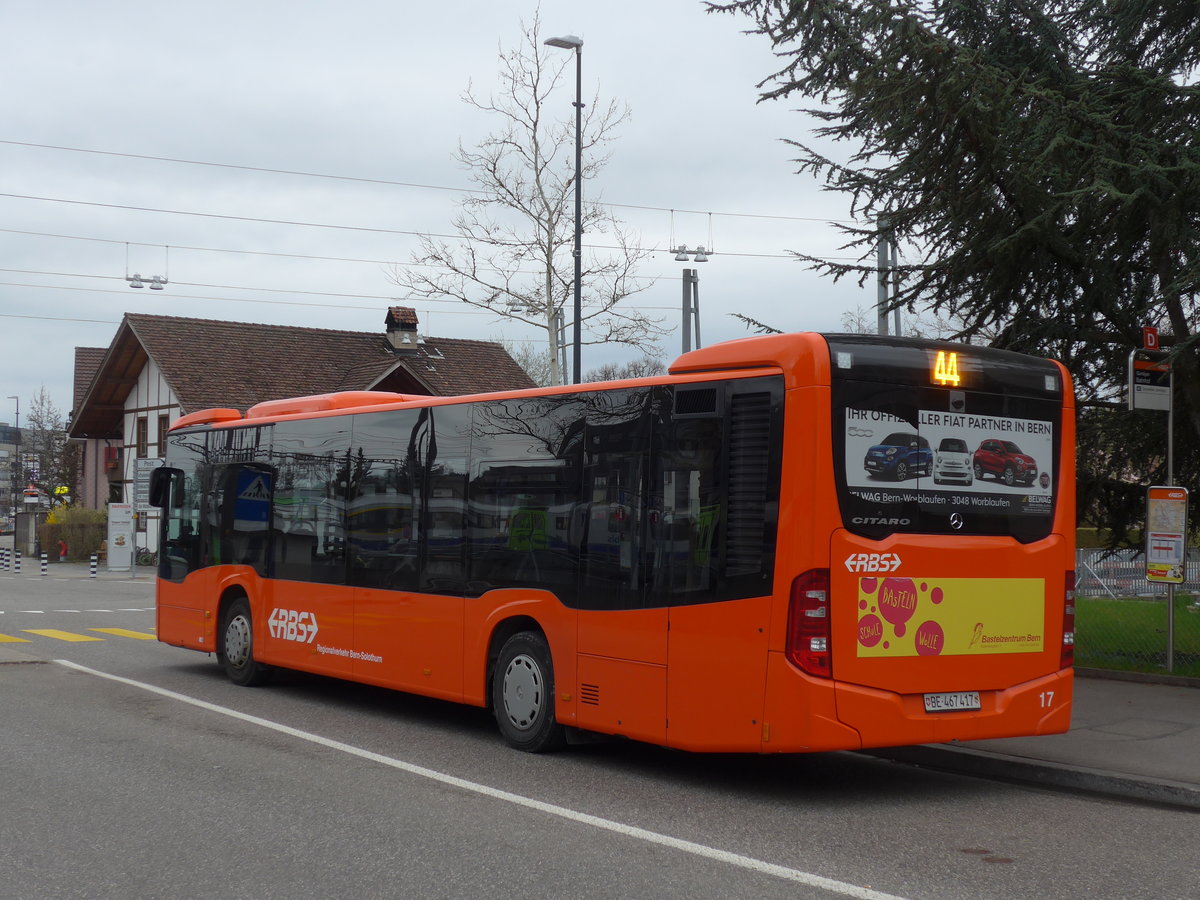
(886, 719)
(805, 714)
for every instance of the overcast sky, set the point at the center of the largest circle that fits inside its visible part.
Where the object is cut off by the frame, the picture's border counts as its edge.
(366, 90)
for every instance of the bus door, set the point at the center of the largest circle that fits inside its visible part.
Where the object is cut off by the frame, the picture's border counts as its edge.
(407, 547)
(622, 646)
(716, 481)
(308, 610)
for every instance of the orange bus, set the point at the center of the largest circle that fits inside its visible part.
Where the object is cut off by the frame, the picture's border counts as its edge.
(797, 542)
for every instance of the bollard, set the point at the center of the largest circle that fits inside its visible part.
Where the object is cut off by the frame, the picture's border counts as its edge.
(92, 567)
(17, 560)
(45, 565)
(4, 559)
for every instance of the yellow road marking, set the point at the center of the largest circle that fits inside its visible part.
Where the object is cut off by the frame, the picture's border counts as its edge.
(61, 635)
(125, 632)
(9, 639)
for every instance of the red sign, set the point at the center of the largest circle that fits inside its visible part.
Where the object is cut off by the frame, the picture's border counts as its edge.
(1149, 338)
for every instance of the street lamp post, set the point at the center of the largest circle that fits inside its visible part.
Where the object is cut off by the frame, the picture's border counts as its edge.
(15, 469)
(570, 42)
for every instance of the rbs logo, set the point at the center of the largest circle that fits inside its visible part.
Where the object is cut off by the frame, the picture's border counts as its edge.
(872, 562)
(290, 625)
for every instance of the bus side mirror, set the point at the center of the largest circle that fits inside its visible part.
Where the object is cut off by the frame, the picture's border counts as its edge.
(160, 487)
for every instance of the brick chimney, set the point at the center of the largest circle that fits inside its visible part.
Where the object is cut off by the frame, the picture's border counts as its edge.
(401, 324)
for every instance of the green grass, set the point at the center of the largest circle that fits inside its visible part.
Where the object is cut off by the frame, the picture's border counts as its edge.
(1130, 633)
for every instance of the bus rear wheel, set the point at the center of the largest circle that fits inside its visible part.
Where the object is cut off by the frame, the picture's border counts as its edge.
(523, 694)
(236, 650)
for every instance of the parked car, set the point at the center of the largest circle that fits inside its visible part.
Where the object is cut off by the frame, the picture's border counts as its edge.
(952, 462)
(900, 455)
(1005, 461)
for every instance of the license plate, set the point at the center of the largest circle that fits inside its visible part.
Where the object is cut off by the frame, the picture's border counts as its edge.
(953, 702)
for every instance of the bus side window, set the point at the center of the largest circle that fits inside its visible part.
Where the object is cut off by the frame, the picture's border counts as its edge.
(616, 555)
(307, 527)
(383, 520)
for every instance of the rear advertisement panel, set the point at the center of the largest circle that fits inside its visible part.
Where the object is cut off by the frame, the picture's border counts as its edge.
(950, 616)
(950, 461)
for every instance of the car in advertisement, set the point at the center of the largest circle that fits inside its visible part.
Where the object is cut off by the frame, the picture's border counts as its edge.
(1005, 461)
(952, 462)
(900, 455)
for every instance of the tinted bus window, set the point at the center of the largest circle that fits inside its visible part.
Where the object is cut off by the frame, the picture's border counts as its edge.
(181, 546)
(383, 516)
(312, 469)
(525, 526)
(617, 429)
(973, 456)
(443, 458)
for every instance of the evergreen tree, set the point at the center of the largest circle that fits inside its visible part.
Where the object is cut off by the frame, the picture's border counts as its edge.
(1038, 161)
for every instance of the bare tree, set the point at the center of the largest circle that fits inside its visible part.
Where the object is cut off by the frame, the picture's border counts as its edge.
(533, 359)
(516, 233)
(639, 368)
(49, 462)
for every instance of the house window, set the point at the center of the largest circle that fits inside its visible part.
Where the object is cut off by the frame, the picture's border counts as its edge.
(164, 422)
(141, 438)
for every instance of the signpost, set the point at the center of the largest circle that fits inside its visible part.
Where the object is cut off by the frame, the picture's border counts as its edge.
(1150, 387)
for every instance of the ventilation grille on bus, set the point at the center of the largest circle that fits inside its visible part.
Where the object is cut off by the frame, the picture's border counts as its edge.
(696, 402)
(749, 458)
(589, 694)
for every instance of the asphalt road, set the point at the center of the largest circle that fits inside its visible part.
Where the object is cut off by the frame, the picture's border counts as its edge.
(131, 769)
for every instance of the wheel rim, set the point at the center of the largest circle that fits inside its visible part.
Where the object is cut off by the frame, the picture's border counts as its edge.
(237, 641)
(901, 471)
(1008, 476)
(522, 692)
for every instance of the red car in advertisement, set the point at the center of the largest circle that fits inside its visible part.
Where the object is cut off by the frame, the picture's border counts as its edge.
(1005, 461)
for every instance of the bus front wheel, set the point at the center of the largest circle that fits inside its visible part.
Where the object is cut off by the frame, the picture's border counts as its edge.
(237, 646)
(523, 694)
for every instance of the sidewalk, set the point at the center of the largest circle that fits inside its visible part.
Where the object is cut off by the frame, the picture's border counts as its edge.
(31, 567)
(1133, 739)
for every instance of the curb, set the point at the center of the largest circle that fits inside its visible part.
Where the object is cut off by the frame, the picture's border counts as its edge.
(1043, 773)
(15, 657)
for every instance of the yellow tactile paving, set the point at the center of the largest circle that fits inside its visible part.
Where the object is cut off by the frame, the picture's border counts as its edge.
(9, 639)
(125, 632)
(61, 635)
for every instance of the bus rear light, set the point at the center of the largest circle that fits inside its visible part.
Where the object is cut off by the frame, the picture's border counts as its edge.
(808, 632)
(1068, 630)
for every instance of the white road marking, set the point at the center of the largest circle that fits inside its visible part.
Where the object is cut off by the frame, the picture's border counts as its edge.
(734, 859)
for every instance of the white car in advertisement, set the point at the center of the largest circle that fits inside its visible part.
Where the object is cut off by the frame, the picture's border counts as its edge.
(952, 462)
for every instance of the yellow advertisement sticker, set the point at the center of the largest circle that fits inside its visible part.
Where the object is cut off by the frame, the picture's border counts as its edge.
(950, 616)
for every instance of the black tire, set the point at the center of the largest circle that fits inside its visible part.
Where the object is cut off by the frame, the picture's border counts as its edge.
(978, 472)
(236, 647)
(901, 471)
(1010, 477)
(523, 694)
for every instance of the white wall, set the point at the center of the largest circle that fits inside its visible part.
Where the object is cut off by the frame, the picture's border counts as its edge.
(150, 398)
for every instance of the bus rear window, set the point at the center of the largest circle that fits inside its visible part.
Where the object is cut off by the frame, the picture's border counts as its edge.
(974, 457)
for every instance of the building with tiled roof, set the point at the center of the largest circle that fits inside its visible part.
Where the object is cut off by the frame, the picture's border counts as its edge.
(158, 368)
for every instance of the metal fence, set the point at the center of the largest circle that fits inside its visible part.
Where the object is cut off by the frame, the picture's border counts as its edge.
(1122, 573)
(1122, 621)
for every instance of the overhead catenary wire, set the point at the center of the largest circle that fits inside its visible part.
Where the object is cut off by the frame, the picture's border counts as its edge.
(391, 183)
(338, 227)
